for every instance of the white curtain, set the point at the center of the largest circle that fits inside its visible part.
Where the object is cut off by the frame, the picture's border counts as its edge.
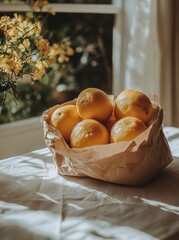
(149, 60)
(175, 51)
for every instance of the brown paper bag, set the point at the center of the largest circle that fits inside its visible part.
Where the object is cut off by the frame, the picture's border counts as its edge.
(131, 163)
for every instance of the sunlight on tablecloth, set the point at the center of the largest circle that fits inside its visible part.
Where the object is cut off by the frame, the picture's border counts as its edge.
(36, 203)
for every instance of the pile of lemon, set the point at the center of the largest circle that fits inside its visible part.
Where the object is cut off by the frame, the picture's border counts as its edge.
(95, 119)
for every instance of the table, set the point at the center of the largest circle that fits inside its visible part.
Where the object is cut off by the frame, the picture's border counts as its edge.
(36, 203)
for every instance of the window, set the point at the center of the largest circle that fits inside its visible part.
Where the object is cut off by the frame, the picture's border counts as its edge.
(96, 63)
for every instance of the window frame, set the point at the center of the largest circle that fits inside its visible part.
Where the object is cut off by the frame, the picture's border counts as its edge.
(116, 9)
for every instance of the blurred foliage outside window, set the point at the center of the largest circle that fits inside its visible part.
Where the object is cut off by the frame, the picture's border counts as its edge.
(90, 66)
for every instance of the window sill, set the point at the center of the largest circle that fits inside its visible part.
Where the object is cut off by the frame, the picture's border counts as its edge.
(21, 137)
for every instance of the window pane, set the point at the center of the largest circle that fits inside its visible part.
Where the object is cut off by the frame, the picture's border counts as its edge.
(90, 66)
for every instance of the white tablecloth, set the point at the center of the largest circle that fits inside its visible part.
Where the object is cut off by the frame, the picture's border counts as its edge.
(36, 203)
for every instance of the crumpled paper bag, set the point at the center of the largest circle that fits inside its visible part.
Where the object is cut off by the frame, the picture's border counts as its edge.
(132, 163)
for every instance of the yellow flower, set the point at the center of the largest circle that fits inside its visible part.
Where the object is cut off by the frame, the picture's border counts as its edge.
(51, 60)
(23, 50)
(37, 28)
(39, 4)
(43, 46)
(18, 63)
(11, 64)
(51, 10)
(21, 47)
(70, 51)
(54, 50)
(7, 65)
(63, 59)
(28, 60)
(40, 69)
(41, 65)
(38, 74)
(26, 43)
(17, 18)
(4, 21)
